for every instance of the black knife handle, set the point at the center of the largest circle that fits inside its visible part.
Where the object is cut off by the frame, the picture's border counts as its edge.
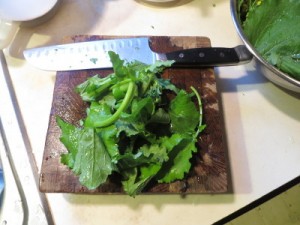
(210, 56)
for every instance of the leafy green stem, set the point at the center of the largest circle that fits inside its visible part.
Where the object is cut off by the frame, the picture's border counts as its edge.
(200, 110)
(123, 106)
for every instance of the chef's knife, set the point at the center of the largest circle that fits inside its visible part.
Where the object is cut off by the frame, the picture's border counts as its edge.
(94, 54)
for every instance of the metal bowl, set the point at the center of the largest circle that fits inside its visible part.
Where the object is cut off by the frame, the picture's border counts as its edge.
(269, 71)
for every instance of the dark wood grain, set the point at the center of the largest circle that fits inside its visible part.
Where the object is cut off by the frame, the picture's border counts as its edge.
(210, 169)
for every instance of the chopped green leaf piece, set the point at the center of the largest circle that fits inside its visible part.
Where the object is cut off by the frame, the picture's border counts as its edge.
(182, 108)
(93, 163)
(94, 60)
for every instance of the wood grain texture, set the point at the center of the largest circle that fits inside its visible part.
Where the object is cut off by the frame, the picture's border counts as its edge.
(210, 169)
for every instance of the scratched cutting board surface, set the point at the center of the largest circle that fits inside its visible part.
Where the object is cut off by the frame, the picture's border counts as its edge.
(210, 168)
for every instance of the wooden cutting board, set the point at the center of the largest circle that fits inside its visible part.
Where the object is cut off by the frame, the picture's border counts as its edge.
(210, 170)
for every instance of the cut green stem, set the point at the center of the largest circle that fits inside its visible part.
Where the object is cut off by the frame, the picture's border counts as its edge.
(200, 109)
(126, 101)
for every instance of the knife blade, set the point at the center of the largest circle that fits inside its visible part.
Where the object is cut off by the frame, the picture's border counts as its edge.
(94, 55)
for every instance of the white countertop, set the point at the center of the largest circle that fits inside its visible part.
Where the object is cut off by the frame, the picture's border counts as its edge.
(262, 121)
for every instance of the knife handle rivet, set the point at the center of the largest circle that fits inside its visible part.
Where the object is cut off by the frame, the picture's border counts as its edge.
(222, 54)
(201, 54)
(181, 55)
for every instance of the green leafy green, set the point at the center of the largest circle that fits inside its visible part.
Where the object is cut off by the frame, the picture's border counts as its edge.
(181, 108)
(87, 155)
(70, 138)
(92, 162)
(272, 26)
(132, 129)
